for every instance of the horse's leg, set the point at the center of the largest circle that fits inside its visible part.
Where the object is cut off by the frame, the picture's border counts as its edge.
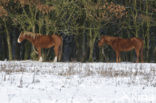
(56, 53)
(137, 53)
(60, 52)
(117, 56)
(119, 59)
(39, 54)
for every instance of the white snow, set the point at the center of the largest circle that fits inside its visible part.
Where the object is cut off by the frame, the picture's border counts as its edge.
(48, 82)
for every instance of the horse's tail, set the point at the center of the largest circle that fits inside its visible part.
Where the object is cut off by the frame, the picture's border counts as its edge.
(60, 49)
(142, 48)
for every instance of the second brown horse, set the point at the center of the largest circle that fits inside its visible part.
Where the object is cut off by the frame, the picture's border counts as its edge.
(43, 41)
(120, 44)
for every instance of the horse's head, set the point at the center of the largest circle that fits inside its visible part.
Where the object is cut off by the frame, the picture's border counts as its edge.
(21, 37)
(101, 41)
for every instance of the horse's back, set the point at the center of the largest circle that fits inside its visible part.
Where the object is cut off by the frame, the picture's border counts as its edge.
(123, 44)
(137, 41)
(43, 39)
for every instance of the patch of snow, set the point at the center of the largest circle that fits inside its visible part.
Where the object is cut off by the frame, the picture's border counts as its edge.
(43, 82)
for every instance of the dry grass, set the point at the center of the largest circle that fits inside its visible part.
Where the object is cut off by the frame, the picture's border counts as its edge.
(133, 75)
(85, 71)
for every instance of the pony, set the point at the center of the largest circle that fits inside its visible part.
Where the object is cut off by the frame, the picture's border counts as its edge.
(119, 44)
(43, 41)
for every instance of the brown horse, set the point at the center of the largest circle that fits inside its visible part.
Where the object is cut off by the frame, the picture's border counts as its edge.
(120, 44)
(43, 41)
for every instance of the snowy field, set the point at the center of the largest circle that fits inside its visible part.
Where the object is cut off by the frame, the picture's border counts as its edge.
(45, 82)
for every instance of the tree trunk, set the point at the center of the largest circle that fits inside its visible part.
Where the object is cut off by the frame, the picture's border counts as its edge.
(90, 46)
(147, 33)
(91, 43)
(33, 54)
(135, 18)
(8, 41)
(84, 46)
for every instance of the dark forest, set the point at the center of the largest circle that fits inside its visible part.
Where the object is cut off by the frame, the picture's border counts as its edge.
(80, 23)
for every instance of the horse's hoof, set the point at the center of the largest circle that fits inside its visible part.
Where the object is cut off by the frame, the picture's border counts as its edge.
(40, 60)
(55, 59)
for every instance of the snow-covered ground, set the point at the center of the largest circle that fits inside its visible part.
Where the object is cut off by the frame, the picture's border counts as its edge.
(45, 82)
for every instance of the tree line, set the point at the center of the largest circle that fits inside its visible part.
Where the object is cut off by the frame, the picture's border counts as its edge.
(86, 20)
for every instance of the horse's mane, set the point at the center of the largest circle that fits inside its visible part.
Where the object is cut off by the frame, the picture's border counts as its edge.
(33, 35)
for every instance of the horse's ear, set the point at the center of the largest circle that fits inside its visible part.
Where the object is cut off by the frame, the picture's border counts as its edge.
(22, 33)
